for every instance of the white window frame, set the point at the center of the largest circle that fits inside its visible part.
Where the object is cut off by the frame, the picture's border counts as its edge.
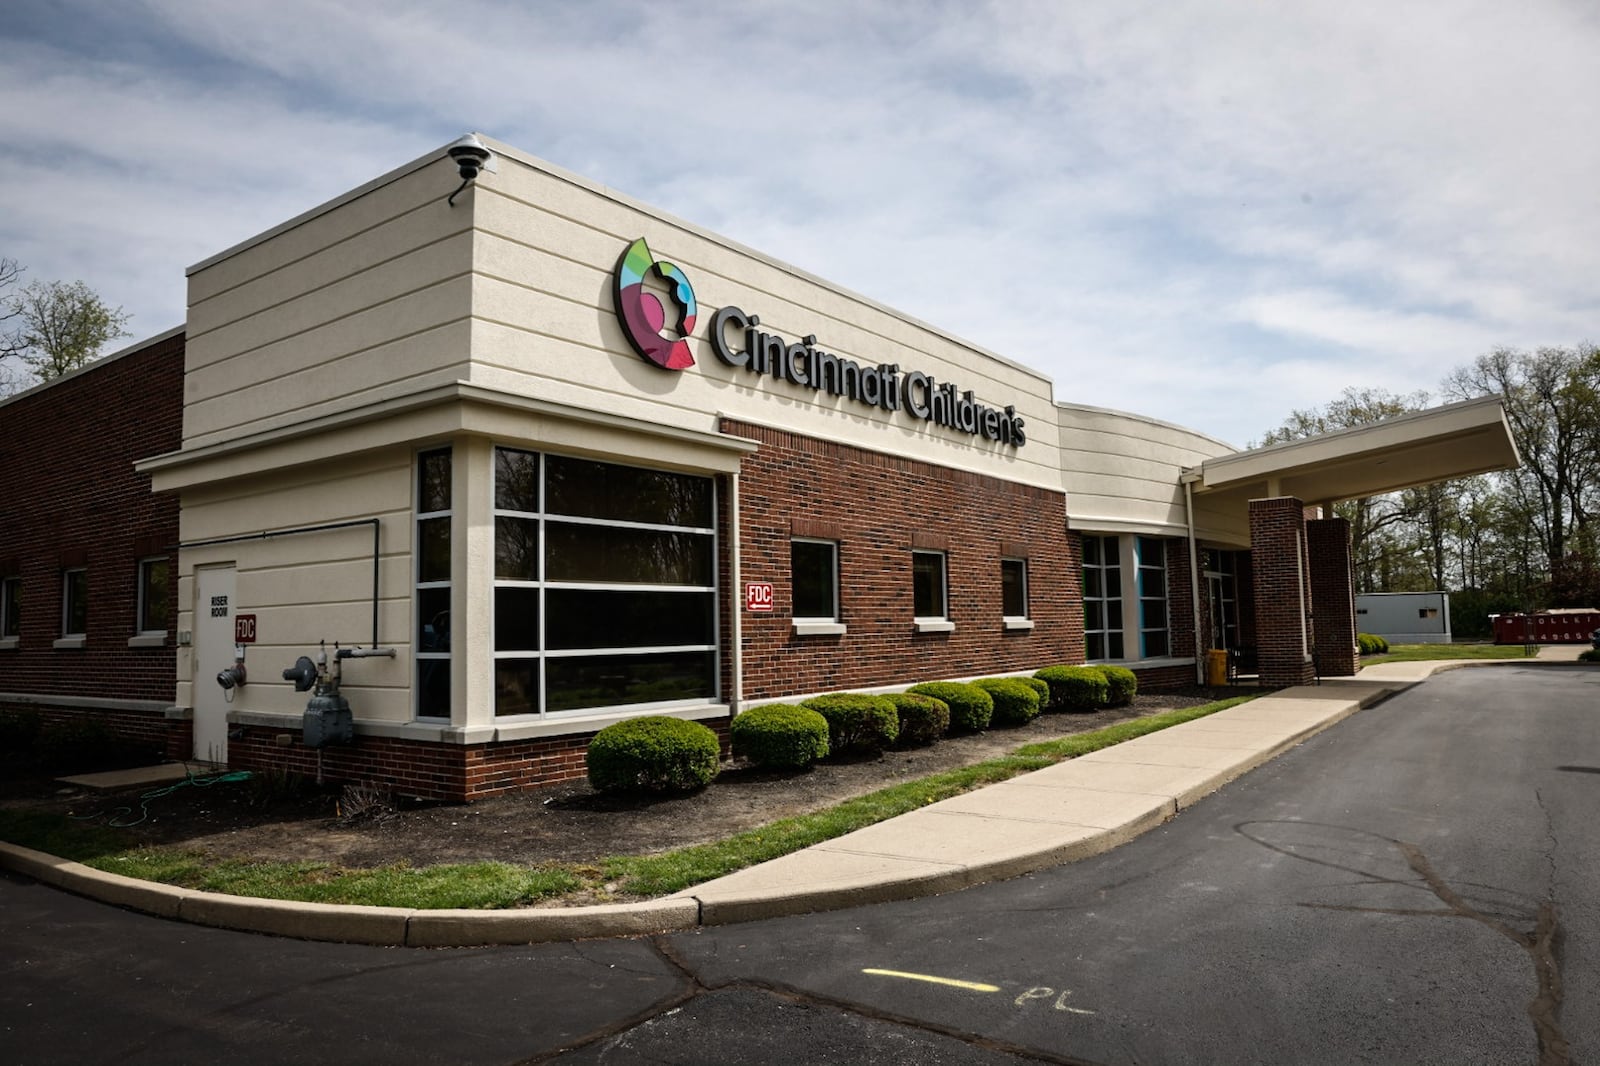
(933, 623)
(73, 638)
(10, 617)
(144, 637)
(543, 655)
(1025, 619)
(806, 625)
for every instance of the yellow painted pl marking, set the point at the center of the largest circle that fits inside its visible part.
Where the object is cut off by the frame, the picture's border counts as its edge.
(971, 986)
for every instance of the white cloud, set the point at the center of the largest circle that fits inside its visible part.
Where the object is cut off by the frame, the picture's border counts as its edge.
(1207, 211)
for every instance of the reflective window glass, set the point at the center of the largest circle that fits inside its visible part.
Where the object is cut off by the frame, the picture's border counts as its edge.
(516, 480)
(617, 680)
(516, 619)
(814, 570)
(586, 618)
(516, 686)
(516, 549)
(611, 554)
(433, 481)
(583, 488)
(433, 560)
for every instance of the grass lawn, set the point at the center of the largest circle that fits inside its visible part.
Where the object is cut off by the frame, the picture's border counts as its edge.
(1410, 653)
(490, 885)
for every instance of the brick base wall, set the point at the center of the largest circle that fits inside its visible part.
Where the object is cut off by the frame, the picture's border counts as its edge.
(1157, 678)
(426, 770)
(172, 738)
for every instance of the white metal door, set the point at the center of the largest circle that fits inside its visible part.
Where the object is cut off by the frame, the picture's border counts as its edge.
(213, 652)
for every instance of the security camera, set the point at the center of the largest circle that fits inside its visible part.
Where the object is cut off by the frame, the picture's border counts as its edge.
(470, 156)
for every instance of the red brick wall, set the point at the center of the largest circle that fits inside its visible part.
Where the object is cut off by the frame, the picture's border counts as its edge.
(1278, 566)
(877, 506)
(172, 737)
(72, 498)
(1333, 598)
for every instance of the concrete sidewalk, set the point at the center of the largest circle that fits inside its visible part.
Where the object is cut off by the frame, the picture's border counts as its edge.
(1063, 813)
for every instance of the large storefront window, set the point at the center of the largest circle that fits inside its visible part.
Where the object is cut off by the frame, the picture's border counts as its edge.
(604, 585)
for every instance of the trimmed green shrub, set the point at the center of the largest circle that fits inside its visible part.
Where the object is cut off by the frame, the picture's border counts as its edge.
(653, 754)
(971, 708)
(780, 736)
(1014, 702)
(1124, 684)
(1040, 687)
(1590, 656)
(857, 722)
(1370, 644)
(86, 745)
(1075, 688)
(923, 719)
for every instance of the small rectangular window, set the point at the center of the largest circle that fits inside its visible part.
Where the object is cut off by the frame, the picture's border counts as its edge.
(814, 566)
(74, 602)
(928, 592)
(10, 607)
(1014, 588)
(153, 596)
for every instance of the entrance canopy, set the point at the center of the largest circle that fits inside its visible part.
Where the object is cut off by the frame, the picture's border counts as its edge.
(1457, 440)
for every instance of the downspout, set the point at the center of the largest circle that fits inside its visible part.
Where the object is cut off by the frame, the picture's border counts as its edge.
(736, 607)
(1194, 576)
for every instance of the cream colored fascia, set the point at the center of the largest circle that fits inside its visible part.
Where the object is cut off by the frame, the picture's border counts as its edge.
(448, 411)
(1282, 460)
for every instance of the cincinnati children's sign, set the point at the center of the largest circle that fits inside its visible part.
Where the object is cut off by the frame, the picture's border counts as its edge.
(738, 340)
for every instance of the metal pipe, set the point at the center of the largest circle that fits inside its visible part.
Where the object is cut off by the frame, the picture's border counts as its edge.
(323, 528)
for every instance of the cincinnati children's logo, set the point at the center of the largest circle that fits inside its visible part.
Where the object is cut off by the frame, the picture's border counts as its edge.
(642, 314)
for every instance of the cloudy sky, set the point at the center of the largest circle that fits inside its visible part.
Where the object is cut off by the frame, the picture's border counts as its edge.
(1212, 212)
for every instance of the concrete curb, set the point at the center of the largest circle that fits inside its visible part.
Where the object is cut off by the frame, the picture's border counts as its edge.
(849, 871)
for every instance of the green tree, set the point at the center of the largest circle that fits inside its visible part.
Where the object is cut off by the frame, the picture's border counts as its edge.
(1552, 401)
(55, 327)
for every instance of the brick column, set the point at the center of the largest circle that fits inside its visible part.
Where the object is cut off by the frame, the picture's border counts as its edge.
(1332, 595)
(1282, 591)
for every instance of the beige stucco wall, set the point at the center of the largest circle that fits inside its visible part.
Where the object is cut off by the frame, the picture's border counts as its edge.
(1122, 475)
(544, 322)
(365, 301)
(308, 587)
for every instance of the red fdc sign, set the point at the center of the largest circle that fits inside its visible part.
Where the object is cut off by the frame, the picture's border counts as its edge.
(758, 596)
(244, 629)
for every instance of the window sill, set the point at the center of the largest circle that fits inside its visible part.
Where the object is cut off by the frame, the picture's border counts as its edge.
(1019, 624)
(935, 625)
(819, 629)
(70, 643)
(10, 643)
(148, 640)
